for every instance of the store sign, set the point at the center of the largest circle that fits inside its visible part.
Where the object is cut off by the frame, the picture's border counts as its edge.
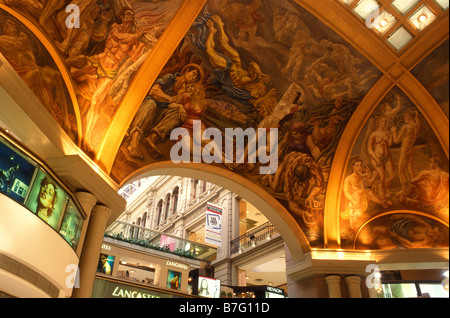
(126, 293)
(213, 231)
(178, 265)
(106, 247)
(275, 290)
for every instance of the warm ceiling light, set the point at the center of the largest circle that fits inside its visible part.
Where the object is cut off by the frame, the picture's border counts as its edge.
(383, 22)
(422, 18)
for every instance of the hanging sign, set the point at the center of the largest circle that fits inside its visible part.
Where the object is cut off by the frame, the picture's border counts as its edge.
(213, 231)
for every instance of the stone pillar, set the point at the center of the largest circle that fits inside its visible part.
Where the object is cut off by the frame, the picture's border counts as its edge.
(353, 286)
(334, 286)
(87, 202)
(91, 251)
(372, 293)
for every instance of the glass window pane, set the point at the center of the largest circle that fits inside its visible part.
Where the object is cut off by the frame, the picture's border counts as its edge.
(407, 290)
(399, 38)
(434, 290)
(366, 7)
(443, 3)
(403, 6)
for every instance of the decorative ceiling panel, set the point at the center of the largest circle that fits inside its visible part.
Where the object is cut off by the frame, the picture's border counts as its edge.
(137, 72)
(397, 174)
(262, 65)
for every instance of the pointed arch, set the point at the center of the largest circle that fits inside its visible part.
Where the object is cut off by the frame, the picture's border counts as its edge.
(428, 107)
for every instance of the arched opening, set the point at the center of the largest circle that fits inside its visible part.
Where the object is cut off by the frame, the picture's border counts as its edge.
(276, 213)
(175, 200)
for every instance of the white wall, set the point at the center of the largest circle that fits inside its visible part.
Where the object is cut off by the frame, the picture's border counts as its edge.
(27, 239)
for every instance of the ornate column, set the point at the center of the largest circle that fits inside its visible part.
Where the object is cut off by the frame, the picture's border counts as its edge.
(353, 286)
(91, 250)
(334, 286)
(87, 202)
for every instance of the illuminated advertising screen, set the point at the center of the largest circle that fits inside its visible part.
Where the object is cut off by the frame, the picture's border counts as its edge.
(16, 173)
(105, 264)
(174, 280)
(47, 199)
(208, 287)
(71, 225)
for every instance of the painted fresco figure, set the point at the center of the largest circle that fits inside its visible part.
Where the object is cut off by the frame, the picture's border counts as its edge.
(357, 195)
(163, 103)
(299, 177)
(378, 149)
(245, 17)
(45, 82)
(301, 47)
(251, 84)
(407, 135)
(411, 231)
(101, 69)
(404, 231)
(194, 104)
(429, 187)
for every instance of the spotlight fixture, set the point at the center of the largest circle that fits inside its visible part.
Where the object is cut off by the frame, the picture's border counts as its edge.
(422, 18)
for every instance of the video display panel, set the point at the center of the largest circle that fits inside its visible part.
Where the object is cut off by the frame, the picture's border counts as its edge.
(72, 224)
(47, 199)
(16, 173)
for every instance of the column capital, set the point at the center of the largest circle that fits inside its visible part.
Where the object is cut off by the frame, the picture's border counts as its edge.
(334, 286)
(101, 210)
(330, 279)
(354, 286)
(353, 279)
(87, 200)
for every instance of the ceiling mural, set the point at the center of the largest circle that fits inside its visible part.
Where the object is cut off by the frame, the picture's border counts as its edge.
(259, 66)
(102, 50)
(398, 165)
(254, 65)
(433, 74)
(36, 67)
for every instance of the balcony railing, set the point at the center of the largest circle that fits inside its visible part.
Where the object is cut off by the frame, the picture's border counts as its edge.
(253, 237)
(141, 236)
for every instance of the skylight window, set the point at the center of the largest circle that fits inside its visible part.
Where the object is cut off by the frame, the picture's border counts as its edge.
(397, 22)
(403, 6)
(400, 38)
(443, 4)
(366, 7)
(422, 18)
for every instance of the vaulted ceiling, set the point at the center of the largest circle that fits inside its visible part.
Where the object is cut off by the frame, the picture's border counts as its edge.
(348, 62)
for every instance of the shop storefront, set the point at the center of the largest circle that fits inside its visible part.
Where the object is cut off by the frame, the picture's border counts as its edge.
(143, 266)
(106, 287)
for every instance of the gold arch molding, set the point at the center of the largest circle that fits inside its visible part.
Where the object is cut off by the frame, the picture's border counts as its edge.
(277, 214)
(58, 61)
